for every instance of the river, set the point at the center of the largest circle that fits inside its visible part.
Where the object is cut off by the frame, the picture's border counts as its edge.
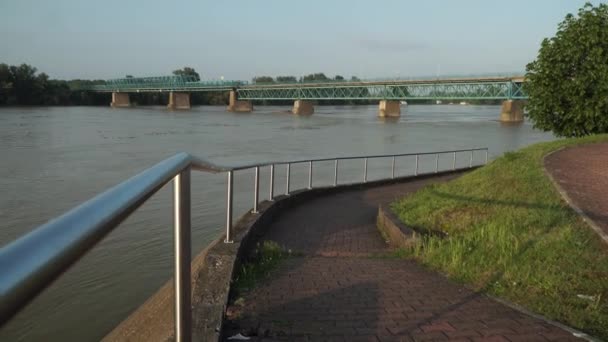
(55, 158)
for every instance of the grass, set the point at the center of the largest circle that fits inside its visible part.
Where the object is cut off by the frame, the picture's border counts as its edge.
(510, 234)
(268, 255)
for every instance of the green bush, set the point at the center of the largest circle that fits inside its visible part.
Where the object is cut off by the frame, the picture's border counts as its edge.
(568, 82)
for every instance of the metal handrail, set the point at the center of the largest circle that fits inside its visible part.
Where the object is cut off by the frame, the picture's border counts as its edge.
(32, 262)
(373, 156)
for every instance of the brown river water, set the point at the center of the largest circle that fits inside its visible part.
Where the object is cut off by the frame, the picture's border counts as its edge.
(54, 158)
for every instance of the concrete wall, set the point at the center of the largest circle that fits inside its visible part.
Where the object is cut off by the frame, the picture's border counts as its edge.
(395, 233)
(302, 107)
(389, 109)
(179, 100)
(120, 100)
(238, 106)
(512, 111)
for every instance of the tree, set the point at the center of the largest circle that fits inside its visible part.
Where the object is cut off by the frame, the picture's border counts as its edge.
(24, 84)
(339, 78)
(287, 79)
(568, 82)
(263, 79)
(187, 71)
(6, 83)
(316, 77)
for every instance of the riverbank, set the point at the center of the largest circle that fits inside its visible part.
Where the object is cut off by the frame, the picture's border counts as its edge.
(510, 234)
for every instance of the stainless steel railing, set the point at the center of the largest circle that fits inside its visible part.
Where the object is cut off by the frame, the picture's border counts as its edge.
(30, 264)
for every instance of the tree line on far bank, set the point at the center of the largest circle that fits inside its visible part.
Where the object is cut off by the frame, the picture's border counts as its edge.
(311, 78)
(316, 77)
(23, 85)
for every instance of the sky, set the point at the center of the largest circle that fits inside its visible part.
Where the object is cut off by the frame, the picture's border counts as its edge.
(239, 39)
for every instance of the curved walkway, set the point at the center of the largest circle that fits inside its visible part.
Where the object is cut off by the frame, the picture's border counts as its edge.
(582, 173)
(340, 290)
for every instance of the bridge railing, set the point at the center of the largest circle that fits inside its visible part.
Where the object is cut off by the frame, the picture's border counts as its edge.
(32, 262)
(163, 83)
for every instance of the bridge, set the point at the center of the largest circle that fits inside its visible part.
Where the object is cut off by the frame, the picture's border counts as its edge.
(389, 93)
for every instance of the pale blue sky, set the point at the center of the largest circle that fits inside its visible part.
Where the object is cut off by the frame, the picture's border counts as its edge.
(238, 39)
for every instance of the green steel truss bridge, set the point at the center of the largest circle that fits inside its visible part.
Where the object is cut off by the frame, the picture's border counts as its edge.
(486, 88)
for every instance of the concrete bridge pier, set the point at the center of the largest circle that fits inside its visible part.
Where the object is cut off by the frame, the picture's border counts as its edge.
(179, 100)
(120, 100)
(512, 111)
(389, 109)
(238, 106)
(302, 107)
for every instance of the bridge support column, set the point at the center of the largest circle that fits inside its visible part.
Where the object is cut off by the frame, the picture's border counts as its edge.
(391, 109)
(179, 100)
(120, 100)
(512, 111)
(238, 106)
(302, 107)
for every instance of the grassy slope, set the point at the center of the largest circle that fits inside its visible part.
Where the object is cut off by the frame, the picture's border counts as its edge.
(510, 234)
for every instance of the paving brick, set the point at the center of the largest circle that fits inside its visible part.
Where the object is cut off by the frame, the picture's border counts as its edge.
(582, 171)
(494, 338)
(336, 292)
(496, 331)
(430, 336)
(462, 334)
(362, 338)
(525, 337)
(437, 326)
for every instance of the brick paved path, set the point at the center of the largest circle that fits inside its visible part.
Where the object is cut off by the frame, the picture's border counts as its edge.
(338, 292)
(582, 172)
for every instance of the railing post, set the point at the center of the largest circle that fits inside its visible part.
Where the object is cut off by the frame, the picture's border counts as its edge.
(336, 173)
(256, 190)
(365, 171)
(287, 185)
(454, 162)
(181, 226)
(393, 169)
(436, 162)
(486, 156)
(271, 194)
(471, 160)
(416, 170)
(310, 174)
(229, 183)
